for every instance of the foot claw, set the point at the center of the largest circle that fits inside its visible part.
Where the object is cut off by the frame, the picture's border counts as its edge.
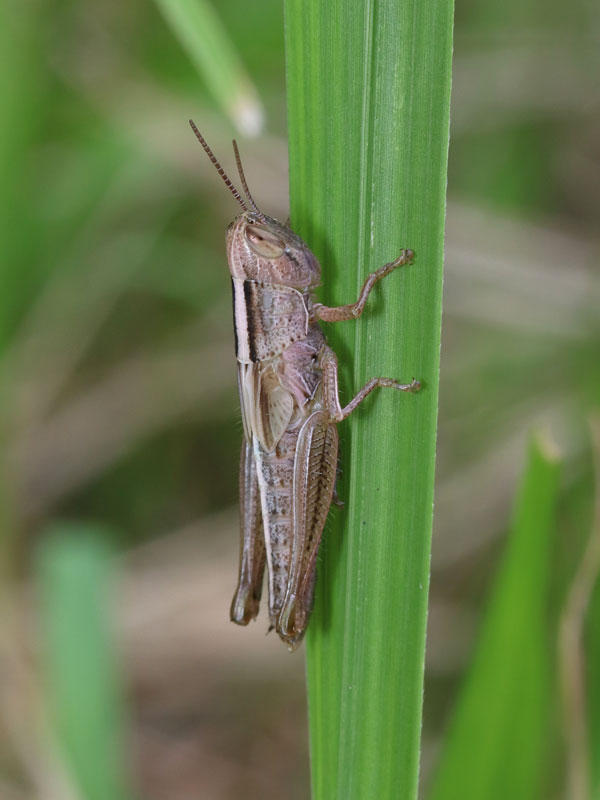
(336, 500)
(413, 386)
(406, 257)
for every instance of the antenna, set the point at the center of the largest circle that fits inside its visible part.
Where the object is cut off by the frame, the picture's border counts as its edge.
(220, 169)
(243, 178)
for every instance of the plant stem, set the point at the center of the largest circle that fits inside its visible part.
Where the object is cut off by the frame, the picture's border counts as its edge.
(368, 112)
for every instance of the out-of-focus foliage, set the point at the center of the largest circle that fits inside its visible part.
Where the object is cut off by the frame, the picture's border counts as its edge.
(498, 741)
(198, 29)
(79, 666)
(119, 405)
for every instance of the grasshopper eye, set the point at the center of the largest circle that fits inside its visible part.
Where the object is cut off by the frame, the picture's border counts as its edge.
(263, 242)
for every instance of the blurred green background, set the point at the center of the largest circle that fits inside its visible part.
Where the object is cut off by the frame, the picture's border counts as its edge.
(119, 411)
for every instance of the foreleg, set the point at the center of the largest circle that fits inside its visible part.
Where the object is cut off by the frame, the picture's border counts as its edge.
(354, 310)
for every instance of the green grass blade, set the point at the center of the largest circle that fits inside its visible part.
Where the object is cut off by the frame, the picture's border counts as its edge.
(202, 35)
(368, 99)
(579, 652)
(591, 684)
(496, 743)
(24, 103)
(79, 663)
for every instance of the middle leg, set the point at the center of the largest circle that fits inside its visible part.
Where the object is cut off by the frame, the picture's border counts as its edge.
(337, 413)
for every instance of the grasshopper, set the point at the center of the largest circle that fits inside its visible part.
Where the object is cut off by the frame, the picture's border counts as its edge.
(288, 385)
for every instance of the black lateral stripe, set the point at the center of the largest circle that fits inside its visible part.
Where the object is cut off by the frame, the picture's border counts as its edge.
(234, 321)
(248, 292)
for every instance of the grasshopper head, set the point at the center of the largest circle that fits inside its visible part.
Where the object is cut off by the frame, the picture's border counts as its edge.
(260, 248)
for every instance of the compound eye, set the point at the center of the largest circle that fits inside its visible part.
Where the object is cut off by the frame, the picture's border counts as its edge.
(263, 242)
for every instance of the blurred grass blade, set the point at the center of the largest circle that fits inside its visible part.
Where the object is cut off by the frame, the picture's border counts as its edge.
(79, 662)
(202, 35)
(580, 656)
(368, 99)
(498, 737)
(24, 103)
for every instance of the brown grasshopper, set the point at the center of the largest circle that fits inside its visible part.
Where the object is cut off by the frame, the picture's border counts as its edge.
(288, 384)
